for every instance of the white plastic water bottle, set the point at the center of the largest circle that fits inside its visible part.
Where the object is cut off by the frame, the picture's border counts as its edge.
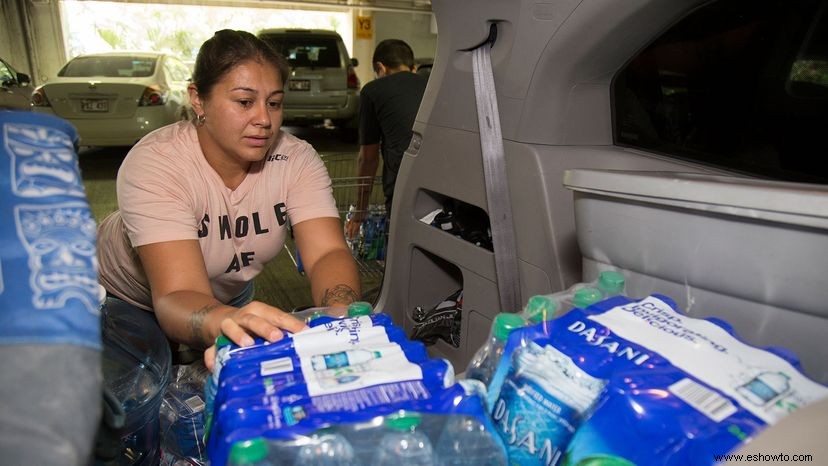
(464, 441)
(327, 448)
(485, 360)
(404, 444)
(252, 452)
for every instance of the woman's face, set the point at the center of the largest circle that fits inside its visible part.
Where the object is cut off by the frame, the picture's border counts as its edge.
(243, 113)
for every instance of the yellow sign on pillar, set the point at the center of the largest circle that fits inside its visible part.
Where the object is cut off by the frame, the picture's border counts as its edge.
(365, 27)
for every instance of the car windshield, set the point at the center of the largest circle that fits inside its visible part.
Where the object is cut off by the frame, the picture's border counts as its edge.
(307, 51)
(111, 67)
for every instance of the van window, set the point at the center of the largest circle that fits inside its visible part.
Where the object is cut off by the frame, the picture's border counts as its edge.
(740, 84)
(307, 51)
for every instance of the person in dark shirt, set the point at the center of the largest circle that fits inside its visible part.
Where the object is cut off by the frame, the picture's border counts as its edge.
(388, 106)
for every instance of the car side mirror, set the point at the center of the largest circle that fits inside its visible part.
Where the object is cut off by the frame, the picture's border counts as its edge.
(354, 62)
(23, 79)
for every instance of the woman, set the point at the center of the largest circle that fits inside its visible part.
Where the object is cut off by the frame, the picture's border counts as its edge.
(204, 205)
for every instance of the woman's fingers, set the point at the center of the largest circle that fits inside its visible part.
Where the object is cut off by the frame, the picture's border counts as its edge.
(259, 319)
(210, 357)
(235, 332)
(275, 317)
(288, 322)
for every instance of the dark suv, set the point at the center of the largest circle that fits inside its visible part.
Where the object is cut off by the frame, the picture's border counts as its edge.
(323, 84)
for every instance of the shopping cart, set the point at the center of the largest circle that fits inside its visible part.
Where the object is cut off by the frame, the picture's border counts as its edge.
(346, 186)
(369, 247)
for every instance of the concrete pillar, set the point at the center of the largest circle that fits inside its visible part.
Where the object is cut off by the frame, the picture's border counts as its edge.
(13, 43)
(48, 49)
(364, 49)
(31, 37)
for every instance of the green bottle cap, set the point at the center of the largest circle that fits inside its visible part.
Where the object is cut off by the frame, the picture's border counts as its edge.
(540, 308)
(248, 451)
(406, 421)
(611, 282)
(504, 323)
(586, 297)
(222, 340)
(360, 308)
(604, 460)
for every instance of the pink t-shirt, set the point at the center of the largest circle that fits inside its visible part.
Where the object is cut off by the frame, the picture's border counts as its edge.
(167, 191)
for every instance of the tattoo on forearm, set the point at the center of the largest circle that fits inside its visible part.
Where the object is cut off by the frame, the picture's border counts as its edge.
(197, 324)
(342, 294)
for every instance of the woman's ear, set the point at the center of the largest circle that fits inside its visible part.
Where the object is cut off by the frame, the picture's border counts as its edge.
(195, 100)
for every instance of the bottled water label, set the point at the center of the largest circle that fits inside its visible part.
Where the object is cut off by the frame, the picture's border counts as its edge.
(542, 402)
(321, 362)
(755, 378)
(336, 325)
(377, 367)
(308, 344)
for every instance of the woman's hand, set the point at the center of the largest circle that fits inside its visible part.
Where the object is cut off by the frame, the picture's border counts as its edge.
(258, 319)
(254, 319)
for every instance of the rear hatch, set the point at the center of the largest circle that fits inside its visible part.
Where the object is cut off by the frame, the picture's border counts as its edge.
(319, 73)
(89, 98)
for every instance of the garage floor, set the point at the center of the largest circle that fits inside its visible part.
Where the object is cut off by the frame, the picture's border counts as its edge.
(280, 283)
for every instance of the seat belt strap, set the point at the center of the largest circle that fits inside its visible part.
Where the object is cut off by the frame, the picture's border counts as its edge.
(494, 173)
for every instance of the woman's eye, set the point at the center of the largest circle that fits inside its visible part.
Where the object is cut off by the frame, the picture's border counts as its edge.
(274, 104)
(245, 103)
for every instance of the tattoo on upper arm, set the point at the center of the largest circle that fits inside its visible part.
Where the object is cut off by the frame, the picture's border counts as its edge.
(197, 323)
(342, 294)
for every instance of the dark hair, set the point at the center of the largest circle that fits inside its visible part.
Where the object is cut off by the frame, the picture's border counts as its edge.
(393, 53)
(225, 50)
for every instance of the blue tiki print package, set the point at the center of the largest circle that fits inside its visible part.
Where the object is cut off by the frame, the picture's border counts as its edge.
(635, 382)
(49, 290)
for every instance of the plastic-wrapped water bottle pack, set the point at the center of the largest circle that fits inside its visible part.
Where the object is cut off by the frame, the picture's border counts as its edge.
(350, 390)
(182, 417)
(369, 243)
(620, 381)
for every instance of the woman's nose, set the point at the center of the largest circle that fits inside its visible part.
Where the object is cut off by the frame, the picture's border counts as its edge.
(262, 116)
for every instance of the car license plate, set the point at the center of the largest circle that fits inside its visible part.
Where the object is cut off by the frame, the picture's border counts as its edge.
(95, 105)
(299, 85)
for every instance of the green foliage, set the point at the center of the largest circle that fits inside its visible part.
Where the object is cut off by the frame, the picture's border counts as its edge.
(111, 37)
(812, 71)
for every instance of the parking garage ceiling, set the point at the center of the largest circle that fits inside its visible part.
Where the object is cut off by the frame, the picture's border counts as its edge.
(416, 6)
